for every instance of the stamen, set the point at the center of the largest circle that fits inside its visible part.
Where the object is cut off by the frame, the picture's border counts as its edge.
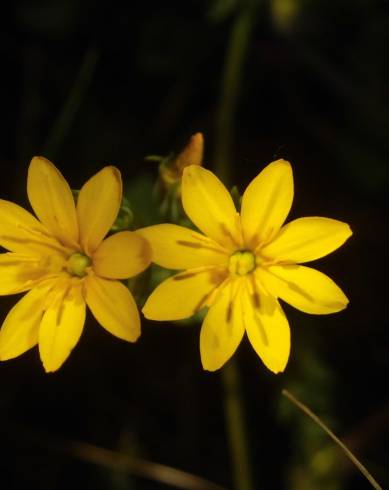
(229, 235)
(198, 246)
(210, 242)
(181, 277)
(36, 242)
(208, 298)
(201, 304)
(192, 272)
(62, 305)
(189, 244)
(255, 293)
(262, 331)
(213, 295)
(258, 244)
(44, 236)
(229, 312)
(240, 229)
(255, 298)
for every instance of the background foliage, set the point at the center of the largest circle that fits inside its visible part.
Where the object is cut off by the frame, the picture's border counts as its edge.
(91, 83)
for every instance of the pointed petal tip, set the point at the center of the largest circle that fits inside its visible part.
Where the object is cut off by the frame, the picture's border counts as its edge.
(50, 370)
(278, 366)
(208, 365)
(341, 305)
(146, 314)
(281, 162)
(135, 337)
(209, 368)
(277, 370)
(346, 228)
(113, 169)
(40, 164)
(49, 366)
(110, 171)
(40, 160)
(150, 314)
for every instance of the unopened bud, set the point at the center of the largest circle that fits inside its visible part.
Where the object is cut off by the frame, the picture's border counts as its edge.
(192, 154)
(171, 168)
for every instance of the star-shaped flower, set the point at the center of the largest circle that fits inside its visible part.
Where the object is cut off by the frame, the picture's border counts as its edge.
(64, 263)
(242, 264)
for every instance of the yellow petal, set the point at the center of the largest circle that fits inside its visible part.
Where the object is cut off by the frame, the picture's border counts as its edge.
(19, 273)
(21, 232)
(61, 325)
(113, 306)
(98, 205)
(176, 247)
(52, 200)
(304, 288)
(122, 255)
(268, 330)
(223, 328)
(210, 206)
(19, 332)
(182, 295)
(266, 203)
(306, 239)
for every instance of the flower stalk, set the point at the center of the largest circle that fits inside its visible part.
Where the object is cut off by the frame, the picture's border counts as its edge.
(230, 88)
(236, 427)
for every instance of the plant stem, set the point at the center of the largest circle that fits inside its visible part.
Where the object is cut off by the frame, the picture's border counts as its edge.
(230, 89)
(236, 427)
(71, 106)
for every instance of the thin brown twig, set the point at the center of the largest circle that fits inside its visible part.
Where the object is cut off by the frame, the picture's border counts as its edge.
(328, 431)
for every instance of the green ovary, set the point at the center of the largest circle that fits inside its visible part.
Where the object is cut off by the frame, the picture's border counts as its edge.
(77, 264)
(242, 262)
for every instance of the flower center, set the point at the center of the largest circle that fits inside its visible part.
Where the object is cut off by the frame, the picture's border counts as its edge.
(242, 262)
(77, 264)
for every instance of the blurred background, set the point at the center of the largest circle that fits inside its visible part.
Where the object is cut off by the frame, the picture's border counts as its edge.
(87, 84)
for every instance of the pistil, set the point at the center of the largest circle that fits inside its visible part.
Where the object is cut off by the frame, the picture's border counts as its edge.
(77, 264)
(242, 262)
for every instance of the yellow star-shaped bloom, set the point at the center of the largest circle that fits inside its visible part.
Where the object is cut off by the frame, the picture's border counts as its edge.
(242, 264)
(64, 263)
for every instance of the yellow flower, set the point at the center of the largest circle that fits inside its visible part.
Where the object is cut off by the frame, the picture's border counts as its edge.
(242, 264)
(64, 263)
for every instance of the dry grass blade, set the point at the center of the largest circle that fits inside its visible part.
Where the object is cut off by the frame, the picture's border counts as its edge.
(344, 448)
(139, 467)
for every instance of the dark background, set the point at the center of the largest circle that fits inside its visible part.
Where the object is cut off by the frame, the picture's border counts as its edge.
(93, 83)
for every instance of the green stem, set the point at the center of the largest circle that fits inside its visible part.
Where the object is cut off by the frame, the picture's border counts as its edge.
(72, 104)
(230, 89)
(236, 427)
